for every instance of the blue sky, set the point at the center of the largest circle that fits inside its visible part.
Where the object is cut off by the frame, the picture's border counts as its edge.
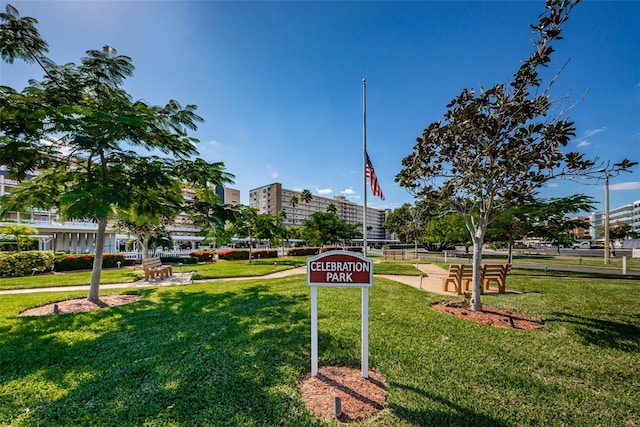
(279, 84)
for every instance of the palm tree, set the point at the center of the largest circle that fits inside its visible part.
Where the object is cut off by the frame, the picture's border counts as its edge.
(294, 200)
(306, 196)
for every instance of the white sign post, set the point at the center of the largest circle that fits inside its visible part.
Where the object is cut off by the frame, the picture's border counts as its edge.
(341, 269)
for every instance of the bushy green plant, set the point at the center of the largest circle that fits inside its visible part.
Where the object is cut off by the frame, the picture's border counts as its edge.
(203, 256)
(85, 262)
(243, 254)
(24, 263)
(265, 253)
(179, 259)
(338, 248)
(303, 251)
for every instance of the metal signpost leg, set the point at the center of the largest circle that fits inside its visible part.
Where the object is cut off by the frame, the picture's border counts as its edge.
(314, 331)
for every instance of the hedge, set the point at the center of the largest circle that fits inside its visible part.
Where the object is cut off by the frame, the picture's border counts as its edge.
(23, 263)
(85, 262)
(243, 254)
(346, 248)
(180, 259)
(203, 256)
(303, 251)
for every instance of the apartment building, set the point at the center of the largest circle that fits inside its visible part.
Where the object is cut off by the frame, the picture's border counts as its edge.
(80, 236)
(626, 214)
(273, 199)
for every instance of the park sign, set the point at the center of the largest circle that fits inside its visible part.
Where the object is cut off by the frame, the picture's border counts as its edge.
(340, 268)
(345, 269)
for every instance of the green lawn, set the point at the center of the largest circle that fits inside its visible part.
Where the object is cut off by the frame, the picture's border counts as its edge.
(121, 275)
(231, 353)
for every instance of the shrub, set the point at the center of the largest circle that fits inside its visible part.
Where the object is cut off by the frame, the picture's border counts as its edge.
(179, 259)
(233, 254)
(243, 254)
(23, 263)
(85, 262)
(302, 251)
(203, 256)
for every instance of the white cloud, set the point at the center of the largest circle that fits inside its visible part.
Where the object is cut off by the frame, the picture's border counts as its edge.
(273, 172)
(552, 185)
(591, 132)
(584, 143)
(625, 186)
(214, 143)
(323, 191)
(348, 192)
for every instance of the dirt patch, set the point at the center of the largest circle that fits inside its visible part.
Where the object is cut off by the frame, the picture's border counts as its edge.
(79, 305)
(489, 316)
(360, 397)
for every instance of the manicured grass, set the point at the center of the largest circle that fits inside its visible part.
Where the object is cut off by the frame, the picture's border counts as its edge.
(396, 267)
(231, 353)
(258, 267)
(121, 275)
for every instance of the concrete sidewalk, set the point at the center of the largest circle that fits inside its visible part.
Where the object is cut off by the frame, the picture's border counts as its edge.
(431, 281)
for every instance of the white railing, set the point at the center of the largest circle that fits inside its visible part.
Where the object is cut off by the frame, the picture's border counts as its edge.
(137, 255)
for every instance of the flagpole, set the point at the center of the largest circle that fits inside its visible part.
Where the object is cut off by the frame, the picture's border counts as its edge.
(364, 165)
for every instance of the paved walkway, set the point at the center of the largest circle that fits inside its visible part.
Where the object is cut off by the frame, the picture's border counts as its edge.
(431, 281)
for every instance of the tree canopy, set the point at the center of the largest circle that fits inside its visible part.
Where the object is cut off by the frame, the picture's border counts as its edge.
(96, 150)
(493, 150)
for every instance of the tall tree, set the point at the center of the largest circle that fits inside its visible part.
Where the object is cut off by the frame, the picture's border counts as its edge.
(306, 196)
(328, 228)
(20, 233)
(294, 201)
(245, 225)
(494, 149)
(549, 218)
(77, 127)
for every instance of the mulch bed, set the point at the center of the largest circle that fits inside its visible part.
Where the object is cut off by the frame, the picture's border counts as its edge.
(79, 305)
(360, 397)
(489, 316)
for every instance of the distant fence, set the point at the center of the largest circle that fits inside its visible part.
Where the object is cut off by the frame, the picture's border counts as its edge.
(137, 255)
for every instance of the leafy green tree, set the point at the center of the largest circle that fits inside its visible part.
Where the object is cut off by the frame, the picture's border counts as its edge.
(618, 231)
(20, 233)
(445, 231)
(550, 221)
(328, 228)
(244, 225)
(332, 208)
(493, 150)
(513, 224)
(78, 126)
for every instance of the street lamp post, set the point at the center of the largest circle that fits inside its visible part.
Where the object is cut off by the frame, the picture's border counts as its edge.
(606, 217)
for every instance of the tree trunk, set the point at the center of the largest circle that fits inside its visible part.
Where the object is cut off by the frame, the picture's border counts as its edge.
(94, 288)
(478, 240)
(510, 252)
(145, 246)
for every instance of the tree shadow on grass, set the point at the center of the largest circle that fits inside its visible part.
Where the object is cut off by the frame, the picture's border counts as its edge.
(180, 356)
(456, 415)
(603, 333)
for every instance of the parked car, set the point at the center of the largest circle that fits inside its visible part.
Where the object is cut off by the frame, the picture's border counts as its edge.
(587, 245)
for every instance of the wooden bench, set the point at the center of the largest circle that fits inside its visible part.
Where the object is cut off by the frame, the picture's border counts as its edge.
(459, 275)
(153, 268)
(401, 253)
(495, 273)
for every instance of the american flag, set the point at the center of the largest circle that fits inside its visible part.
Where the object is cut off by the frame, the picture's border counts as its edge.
(371, 174)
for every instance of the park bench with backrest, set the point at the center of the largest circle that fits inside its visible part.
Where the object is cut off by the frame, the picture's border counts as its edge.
(459, 275)
(400, 253)
(495, 273)
(153, 268)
